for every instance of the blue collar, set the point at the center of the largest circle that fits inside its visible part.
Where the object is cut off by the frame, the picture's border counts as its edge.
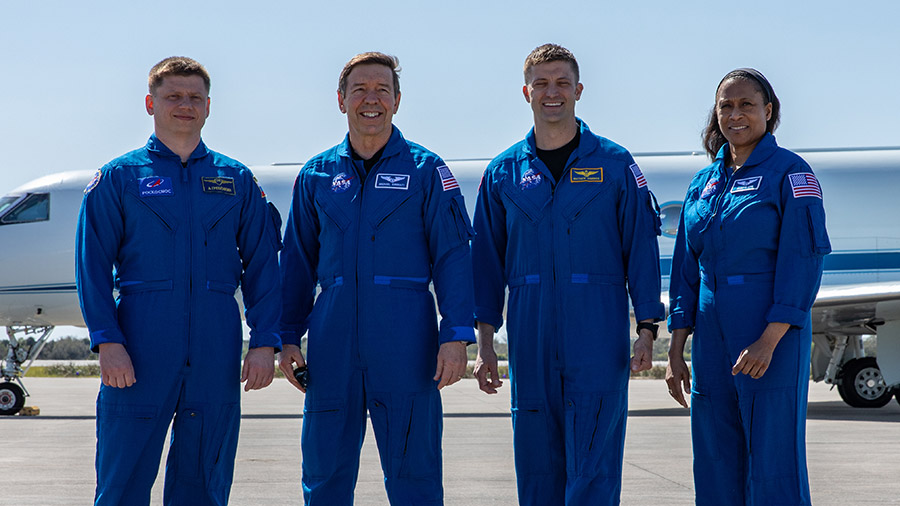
(156, 146)
(765, 148)
(393, 146)
(587, 143)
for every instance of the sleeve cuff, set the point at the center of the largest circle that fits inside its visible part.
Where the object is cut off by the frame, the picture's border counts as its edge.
(787, 314)
(680, 320)
(99, 337)
(291, 337)
(450, 334)
(489, 316)
(265, 340)
(650, 310)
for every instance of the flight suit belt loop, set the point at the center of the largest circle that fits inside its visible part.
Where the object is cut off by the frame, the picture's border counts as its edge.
(328, 283)
(713, 280)
(528, 279)
(578, 279)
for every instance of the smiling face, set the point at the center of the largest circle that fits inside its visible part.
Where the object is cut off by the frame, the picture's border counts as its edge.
(742, 113)
(179, 106)
(552, 91)
(370, 103)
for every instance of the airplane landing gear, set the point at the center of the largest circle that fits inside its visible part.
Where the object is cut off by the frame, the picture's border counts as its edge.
(18, 361)
(861, 384)
(12, 398)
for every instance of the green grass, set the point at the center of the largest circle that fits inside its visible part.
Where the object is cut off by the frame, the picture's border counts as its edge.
(64, 371)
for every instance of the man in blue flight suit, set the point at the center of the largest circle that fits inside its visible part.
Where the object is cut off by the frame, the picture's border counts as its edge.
(373, 221)
(565, 220)
(183, 226)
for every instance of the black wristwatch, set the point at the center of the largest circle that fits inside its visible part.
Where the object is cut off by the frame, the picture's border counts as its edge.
(652, 327)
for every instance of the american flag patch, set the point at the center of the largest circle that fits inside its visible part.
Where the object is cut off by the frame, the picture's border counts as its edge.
(805, 184)
(447, 179)
(638, 175)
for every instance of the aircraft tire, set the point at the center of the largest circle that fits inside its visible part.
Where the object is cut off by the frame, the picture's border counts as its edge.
(12, 398)
(861, 384)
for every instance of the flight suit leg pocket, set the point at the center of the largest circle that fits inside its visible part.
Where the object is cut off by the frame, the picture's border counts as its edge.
(594, 431)
(133, 426)
(187, 438)
(703, 428)
(421, 451)
(322, 437)
(531, 438)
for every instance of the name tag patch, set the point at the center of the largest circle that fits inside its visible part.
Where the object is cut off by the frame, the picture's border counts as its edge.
(221, 185)
(745, 185)
(586, 175)
(155, 186)
(392, 181)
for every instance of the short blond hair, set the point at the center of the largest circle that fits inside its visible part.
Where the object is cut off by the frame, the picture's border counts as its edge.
(176, 66)
(548, 53)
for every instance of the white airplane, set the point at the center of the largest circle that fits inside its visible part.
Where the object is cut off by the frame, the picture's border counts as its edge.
(860, 294)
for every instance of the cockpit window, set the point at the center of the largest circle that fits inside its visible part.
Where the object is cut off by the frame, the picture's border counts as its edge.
(34, 207)
(670, 214)
(7, 201)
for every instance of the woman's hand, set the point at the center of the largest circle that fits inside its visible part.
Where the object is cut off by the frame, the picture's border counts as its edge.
(754, 360)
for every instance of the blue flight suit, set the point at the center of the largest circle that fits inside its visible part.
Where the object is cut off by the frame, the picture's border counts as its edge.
(181, 239)
(748, 252)
(566, 250)
(374, 243)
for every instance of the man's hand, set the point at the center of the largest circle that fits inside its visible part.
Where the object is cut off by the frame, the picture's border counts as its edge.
(259, 368)
(290, 354)
(678, 376)
(115, 366)
(485, 368)
(486, 360)
(451, 363)
(643, 352)
(754, 360)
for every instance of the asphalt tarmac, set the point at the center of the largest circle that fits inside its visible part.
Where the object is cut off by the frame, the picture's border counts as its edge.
(854, 454)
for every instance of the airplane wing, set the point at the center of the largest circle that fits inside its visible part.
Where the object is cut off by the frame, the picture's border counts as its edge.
(838, 308)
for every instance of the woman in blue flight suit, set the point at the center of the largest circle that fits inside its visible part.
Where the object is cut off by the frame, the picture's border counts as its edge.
(745, 272)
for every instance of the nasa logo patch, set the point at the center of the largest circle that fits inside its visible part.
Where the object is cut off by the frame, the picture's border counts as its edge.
(94, 181)
(392, 181)
(709, 189)
(155, 186)
(341, 183)
(530, 179)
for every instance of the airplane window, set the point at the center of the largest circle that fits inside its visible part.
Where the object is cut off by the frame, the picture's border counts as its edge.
(669, 214)
(7, 202)
(35, 207)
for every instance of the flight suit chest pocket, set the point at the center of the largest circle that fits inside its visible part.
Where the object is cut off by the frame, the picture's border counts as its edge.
(335, 216)
(523, 205)
(150, 211)
(389, 205)
(221, 228)
(586, 202)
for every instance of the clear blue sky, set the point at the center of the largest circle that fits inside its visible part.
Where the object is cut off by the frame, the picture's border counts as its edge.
(74, 73)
